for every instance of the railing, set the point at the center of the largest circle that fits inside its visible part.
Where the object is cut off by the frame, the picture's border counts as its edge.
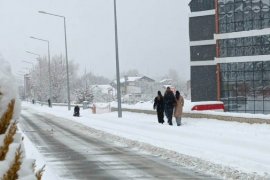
(200, 115)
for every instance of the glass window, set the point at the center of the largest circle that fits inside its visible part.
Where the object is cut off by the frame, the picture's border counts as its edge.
(231, 52)
(265, 49)
(240, 66)
(239, 51)
(248, 25)
(240, 75)
(247, 6)
(259, 106)
(257, 24)
(238, 6)
(250, 106)
(223, 66)
(249, 66)
(239, 26)
(248, 76)
(258, 66)
(266, 39)
(258, 85)
(221, 8)
(224, 76)
(232, 76)
(265, 23)
(230, 27)
(257, 50)
(239, 42)
(267, 106)
(243, 87)
(266, 65)
(248, 41)
(234, 67)
(266, 75)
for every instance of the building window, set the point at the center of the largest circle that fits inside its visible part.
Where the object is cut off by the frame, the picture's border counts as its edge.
(245, 87)
(246, 46)
(243, 15)
(201, 5)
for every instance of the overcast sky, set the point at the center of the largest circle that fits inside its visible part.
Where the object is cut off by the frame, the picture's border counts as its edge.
(153, 34)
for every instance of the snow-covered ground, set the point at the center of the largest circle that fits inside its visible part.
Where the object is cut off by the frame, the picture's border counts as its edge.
(229, 149)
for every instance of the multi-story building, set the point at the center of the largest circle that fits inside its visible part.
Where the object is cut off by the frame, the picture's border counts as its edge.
(230, 53)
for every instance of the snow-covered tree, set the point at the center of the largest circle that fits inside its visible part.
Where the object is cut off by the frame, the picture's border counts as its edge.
(83, 94)
(40, 79)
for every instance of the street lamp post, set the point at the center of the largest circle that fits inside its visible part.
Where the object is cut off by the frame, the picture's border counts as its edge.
(49, 64)
(117, 63)
(67, 69)
(38, 59)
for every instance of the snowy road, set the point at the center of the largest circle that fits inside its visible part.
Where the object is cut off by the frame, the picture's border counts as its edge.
(74, 152)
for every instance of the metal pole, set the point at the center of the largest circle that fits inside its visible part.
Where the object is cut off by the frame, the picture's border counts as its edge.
(49, 64)
(68, 90)
(50, 78)
(38, 59)
(117, 63)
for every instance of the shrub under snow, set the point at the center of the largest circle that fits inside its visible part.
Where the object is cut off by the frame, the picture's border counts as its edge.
(13, 164)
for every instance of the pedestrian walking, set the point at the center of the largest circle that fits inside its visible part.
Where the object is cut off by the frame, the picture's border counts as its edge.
(76, 111)
(169, 102)
(178, 110)
(159, 107)
(49, 102)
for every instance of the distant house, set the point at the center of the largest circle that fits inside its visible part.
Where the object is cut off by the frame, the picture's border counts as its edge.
(134, 86)
(167, 82)
(104, 89)
(103, 93)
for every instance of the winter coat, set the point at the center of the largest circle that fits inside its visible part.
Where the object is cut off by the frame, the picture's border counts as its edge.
(169, 99)
(179, 107)
(159, 104)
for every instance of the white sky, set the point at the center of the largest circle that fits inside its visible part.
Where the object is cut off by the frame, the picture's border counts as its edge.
(153, 34)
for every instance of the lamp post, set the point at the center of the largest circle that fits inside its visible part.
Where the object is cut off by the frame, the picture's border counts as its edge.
(38, 59)
(29, 63)
(49, 64)
(117, 63)
(64, 18)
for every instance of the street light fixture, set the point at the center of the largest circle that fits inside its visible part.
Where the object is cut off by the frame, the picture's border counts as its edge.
(117, 63)
(33, 53)
(64, 18)
(29, 63)
(49, 64)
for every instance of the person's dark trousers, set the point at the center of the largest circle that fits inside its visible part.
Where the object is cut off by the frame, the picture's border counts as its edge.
(166, 112)
(169, 115)
(160, 115)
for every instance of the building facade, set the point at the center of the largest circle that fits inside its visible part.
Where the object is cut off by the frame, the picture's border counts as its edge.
(231, 62)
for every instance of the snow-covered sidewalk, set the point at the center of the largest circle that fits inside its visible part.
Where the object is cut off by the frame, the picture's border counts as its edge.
(237, 146)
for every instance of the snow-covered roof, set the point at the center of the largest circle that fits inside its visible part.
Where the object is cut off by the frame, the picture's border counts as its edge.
(103, 88)
(132, 79)
(165, 80)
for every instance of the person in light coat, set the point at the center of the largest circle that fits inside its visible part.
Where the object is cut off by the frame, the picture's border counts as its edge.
(178, 109)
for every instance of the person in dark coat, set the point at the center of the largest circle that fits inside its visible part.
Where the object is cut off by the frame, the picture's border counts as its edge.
(159, 106)
(76, 111)
(169, 103)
